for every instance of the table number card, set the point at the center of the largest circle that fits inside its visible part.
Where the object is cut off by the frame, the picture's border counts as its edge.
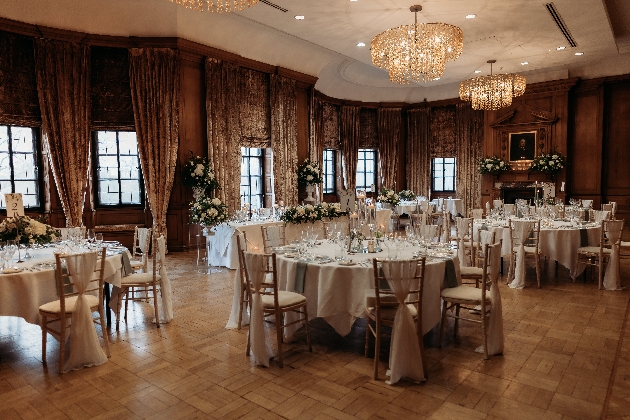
(347, 201)
(15, 205)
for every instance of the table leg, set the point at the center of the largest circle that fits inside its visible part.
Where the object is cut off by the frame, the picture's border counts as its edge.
(108, 312)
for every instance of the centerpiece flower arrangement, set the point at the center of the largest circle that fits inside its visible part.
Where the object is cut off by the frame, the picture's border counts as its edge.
(388, 196)
(309, 173)
(26, 230)
(407, 195)
(311, 213)
(208, 211)
(549, 163)
(492, 165)
(198, 174)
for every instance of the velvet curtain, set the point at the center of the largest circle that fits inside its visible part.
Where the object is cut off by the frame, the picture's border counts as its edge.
(316, 133)
(389, 136)
(350, 133)
(469, 139)
(224, 134)
(155, 88)
(417, 151)
(284, 139)
(63, 81)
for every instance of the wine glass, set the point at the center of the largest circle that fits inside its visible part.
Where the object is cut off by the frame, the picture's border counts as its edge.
(10, 250)
(98, 238)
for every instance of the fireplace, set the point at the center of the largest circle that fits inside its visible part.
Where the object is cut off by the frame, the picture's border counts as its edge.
(509, 192)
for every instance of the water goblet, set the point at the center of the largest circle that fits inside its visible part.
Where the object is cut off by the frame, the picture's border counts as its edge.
(98, 238)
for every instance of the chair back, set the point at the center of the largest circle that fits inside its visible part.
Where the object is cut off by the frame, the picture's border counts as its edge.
(607, 207)
(431, 232)
(463, 228)
(497, 204)
(509, 209)
(388, 271)
(273, 236)
(476, 213)
(76, 272)
(241, 248)
(611, 233)
(141, 241)
(483, 237)
(254, 265)
(159, 245)
(587, 203)
(524, 232)
(599, 216)
(491, 263)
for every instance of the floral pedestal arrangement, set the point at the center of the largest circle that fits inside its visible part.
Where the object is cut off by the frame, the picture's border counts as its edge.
(207, 212)
(309, 174)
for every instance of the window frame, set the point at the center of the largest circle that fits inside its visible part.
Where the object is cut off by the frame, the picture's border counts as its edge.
(327, 189)
(37, 159)
(433, 177)
(249, 157)
(375, 172)
(96, 179)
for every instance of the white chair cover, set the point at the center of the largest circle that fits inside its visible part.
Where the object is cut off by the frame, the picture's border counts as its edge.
(426, 207)
(143, 234)
(383, 217)
(495, 323)
(522, 229)
(64, 233)
(462, 231)
(85, 349)
(261, 350)
(166, 309)
(274, 235)
(509, 209)
(485, 237)
(587, 203)
(600, 216)
(428, 232)
(477, 213)
(405, 359)
(612, 278)
(497, 204)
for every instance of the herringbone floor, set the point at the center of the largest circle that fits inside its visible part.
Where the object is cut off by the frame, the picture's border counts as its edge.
(567, 356)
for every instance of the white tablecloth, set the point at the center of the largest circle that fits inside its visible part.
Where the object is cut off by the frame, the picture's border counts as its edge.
(559, 244)
(21, 294)
(407, 207)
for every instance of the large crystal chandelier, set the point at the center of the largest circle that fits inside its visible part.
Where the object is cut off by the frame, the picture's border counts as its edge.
(219, 6)
(492, 92)
(417, 52)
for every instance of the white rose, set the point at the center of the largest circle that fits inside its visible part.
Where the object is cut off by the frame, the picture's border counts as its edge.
(216, 201)
(308, 207)
(309, 177)
(210, 175)
(309, 168)
(555, 156)
(213, 212)
(489, 166)
(501, 164)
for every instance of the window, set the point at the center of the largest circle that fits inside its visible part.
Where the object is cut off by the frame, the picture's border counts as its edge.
(443, 174)
(329, 171)
(252, 177)
(118, 176)
(366, 169)
(18, 164)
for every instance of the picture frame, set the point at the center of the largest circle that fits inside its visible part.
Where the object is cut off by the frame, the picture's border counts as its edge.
(522, 146)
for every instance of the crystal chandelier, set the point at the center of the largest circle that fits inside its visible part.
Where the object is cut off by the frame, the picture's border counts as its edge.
(219, 6)
(492, 92)
(417, 52)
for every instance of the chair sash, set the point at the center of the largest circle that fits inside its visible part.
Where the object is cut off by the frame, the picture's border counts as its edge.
(166, 309)
(261, 350)
(463, 224)
(429, 232)
(477, 213)
(383, 217)
(495, 323)
(405, 359)
(274, 235)
(85, 349)
(600, 216)
(612, 278)
(497, 204)
(522, 229)
(587, 203)
(143, 243)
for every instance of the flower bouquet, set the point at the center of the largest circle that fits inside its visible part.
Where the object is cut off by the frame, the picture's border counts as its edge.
(492, 165)
(550, 164)
(301, 214)
(388, 196)
(26, 230)
(309, 173)
(407, 195)
(208, 211)
(331, 210)
(198, 174)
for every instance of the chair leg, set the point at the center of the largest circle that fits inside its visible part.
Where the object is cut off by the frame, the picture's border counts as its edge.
(538, 270)
(510, 269)
(377, 349)
(101, 314)
(62, 344)
(367, 337)
(249, 342)
(44, 337)
(279, 332)
(121, 296)
(240, 311)
(155, 306)
(456, 320)
(129, 289)
(308, 330)
(442, 323)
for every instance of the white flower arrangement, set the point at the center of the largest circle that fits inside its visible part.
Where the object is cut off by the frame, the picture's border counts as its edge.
(492, 165)
(208, 211)
(407, 195)
(388, 196)
(309, 173)
(311, 213)
(197, 173)
(26, 230)
(549, 163)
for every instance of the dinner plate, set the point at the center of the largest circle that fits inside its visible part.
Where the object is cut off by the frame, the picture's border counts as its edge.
(346, 263)
(11, 270)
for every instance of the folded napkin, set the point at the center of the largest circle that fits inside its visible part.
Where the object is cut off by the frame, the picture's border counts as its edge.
(450, 275)
(300, 275)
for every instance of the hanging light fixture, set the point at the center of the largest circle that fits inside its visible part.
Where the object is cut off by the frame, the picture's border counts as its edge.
(417, 52)
(219, 6)
(492, 92)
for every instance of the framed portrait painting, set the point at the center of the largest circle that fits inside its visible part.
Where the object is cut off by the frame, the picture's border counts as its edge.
(522, 146)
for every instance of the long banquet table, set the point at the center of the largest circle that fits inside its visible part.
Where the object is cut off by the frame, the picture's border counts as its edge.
(337, 293)
(22, 293)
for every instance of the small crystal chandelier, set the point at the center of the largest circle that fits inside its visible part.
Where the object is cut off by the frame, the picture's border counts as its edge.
(219, 6)
(492, 92)
(417, 52)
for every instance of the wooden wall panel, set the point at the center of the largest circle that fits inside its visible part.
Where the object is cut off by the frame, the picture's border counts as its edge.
(586, 147)
(616, 153)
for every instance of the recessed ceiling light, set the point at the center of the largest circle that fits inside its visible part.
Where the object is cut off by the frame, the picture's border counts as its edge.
(471, 16)
(560, 48)
(299, 17)
(524, 63)
(477, 71)
(360, 44)
(579, 53)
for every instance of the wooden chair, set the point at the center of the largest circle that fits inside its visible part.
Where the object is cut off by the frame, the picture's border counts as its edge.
(135, 286)
(598, 256)
(60, 311)
(509, 209)
(241, 243)
(531, 245)
(140, 249)
(475, 213)
(276, 303)
(273, 236)
(382, 309)
(464, 238)
(474, 273)
(470, 298)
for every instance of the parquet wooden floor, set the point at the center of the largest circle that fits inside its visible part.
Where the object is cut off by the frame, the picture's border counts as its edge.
(567, 356)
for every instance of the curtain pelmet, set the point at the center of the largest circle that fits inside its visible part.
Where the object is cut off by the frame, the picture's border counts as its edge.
(62, 70)
(155, 88)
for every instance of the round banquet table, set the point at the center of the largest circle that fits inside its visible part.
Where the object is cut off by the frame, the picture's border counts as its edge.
(559, 242)
(338, 293)
(22, 293)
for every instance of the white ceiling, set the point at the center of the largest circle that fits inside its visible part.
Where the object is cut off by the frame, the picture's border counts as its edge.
(324, 43)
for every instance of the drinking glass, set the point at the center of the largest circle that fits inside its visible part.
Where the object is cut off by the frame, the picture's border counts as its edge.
(98, 238)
